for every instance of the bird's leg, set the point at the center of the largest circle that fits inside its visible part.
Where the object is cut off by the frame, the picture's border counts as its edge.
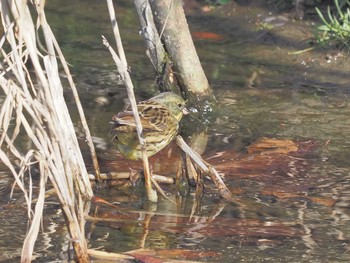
(195, 178)
(134, 176)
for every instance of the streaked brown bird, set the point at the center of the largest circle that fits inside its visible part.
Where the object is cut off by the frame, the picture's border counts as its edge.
(160, 117)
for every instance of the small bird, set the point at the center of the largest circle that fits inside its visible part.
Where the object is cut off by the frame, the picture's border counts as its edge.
(160, 117)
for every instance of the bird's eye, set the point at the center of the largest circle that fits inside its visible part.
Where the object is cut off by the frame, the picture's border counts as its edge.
(179, 105)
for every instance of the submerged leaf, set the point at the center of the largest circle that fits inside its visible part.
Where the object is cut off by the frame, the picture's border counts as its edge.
(272, 146)
(284, 195)
(207, 35)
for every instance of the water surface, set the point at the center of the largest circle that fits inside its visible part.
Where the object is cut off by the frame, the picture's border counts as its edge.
(296, 205)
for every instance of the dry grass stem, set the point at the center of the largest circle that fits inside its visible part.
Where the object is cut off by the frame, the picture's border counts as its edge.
(37, 132)
(78, 104)
(122, 67)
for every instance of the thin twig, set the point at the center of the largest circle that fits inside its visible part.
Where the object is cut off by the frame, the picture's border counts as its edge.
(118, 39)
(165, 22)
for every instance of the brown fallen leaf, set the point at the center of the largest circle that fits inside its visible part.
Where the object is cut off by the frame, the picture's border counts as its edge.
(207, 35)
(272, 146)
(283, 195)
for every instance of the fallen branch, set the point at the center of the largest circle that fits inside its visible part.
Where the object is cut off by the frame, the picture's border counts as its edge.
(206, 168)
(102, 255)
(126, 175)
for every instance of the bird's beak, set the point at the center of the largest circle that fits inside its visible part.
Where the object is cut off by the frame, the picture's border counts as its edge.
(115, 119)
(185, 111)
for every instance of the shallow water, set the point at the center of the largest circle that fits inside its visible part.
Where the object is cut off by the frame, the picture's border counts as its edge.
(296, 206)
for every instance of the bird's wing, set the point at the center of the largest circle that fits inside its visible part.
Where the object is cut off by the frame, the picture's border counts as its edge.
(157, 117)
(154, 117)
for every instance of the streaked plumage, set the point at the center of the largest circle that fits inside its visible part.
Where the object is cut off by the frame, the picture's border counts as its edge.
(160, 118)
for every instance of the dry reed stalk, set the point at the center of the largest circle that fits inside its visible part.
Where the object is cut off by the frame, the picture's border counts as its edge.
(122, 66)
(34, 109)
